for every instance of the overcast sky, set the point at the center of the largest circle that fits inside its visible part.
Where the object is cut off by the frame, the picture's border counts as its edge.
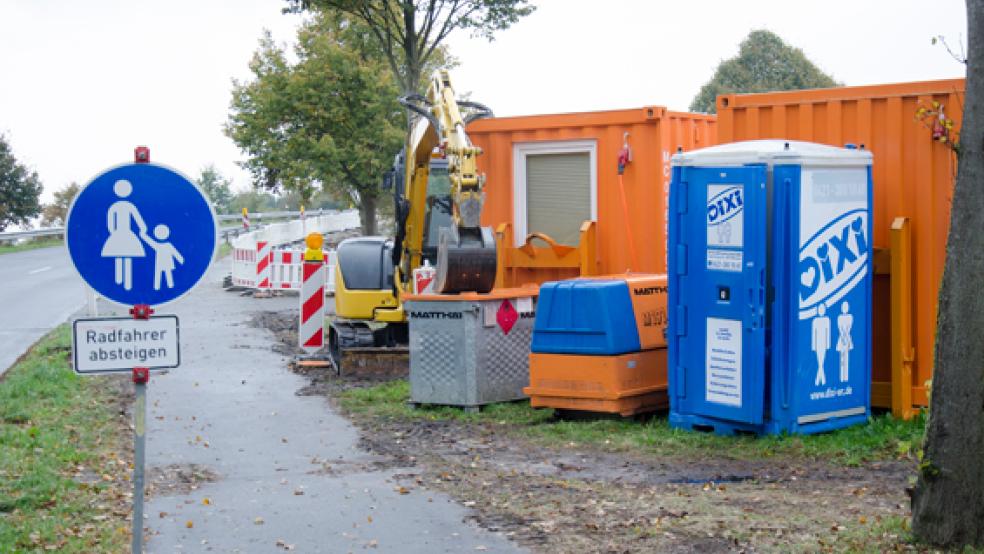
(82, 83)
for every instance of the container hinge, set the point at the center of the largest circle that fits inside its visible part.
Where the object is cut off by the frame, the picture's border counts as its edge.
(681, 259)
(681, 321)
(682, 197)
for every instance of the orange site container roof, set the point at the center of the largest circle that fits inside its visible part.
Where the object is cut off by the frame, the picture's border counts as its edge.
(654, 134)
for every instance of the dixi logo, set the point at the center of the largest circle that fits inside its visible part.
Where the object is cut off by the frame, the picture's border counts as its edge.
(833, 261)
(724, 205)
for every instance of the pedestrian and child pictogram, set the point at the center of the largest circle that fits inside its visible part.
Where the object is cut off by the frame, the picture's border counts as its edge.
(141, 234)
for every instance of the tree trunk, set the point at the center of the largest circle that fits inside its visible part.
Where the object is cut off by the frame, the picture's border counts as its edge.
(948, 501)
(367, 212)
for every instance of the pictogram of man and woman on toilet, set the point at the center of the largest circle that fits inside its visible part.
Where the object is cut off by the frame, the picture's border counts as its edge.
(123, 244)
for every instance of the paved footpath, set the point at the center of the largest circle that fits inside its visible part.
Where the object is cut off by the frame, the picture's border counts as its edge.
(232, 408)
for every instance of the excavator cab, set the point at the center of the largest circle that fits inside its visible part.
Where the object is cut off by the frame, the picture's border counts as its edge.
(438, 208)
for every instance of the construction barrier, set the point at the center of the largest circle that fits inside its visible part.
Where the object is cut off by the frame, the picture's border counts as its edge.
(311, 335)
(259, 260)
(286, 269)
(263, 259)
(282, 269)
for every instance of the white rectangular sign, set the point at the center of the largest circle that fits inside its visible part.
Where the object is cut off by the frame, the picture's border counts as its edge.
(723, 359)
(118, 344)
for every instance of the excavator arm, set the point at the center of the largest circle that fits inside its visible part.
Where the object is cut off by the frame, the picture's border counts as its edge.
(466, 259)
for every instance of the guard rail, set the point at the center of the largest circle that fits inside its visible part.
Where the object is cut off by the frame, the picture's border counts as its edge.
(224, 232)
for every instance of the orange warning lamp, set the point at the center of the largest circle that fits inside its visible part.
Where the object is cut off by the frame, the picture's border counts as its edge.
(314, 242)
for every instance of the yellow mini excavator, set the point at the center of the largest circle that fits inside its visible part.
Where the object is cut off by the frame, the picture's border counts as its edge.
(438, 196)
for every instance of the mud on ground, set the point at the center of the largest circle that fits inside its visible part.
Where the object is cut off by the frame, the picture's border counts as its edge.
(582, 499)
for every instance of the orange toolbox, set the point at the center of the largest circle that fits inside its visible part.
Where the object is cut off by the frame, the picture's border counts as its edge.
(599, 344)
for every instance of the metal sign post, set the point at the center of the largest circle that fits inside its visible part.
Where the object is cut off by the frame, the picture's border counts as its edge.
(140, 235)
(141, 375)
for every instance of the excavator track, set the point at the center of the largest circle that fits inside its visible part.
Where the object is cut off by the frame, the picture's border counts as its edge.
(360, 350)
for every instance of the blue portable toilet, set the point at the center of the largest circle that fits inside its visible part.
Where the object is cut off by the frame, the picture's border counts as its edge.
(770, 288)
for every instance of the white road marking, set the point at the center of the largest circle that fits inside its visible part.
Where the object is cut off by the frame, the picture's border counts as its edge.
(39, 270)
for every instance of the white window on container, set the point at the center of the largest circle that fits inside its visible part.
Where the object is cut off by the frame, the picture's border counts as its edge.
(555, 189)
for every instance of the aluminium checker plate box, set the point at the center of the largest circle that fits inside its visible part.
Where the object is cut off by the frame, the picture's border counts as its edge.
(462, 355)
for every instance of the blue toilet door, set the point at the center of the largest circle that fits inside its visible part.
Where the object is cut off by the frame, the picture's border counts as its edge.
(721, 274)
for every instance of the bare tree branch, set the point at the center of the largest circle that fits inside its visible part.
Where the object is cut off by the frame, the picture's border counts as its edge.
(962, 58)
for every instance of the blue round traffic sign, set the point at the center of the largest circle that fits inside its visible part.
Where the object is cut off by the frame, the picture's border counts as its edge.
(141, 234)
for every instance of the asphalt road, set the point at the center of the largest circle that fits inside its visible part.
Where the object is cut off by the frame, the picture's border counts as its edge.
(39, 290)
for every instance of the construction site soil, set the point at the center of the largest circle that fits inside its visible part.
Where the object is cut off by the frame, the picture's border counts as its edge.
(578, 498)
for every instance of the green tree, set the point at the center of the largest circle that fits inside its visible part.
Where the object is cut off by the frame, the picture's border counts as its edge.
(947, 509)
(331, 120)
(764, 63)
(216, 187)
(20, 189)
(53, 215)
(253, 200)
(410, 33)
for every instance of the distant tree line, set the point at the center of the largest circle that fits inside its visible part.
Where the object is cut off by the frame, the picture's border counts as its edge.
(20, 189)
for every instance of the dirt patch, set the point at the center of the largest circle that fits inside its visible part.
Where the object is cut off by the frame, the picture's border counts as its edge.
(176, 479)
(284, 327)
(322, 381)
(564, 500)
(584, 499)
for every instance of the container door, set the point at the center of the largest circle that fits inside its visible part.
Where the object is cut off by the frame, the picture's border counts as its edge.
(721, 251)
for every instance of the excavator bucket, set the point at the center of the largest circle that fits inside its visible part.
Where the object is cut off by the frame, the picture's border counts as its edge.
(466, 260)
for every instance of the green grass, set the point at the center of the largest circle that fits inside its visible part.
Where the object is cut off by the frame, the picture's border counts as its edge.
(30, 245)
(55, 426)
(886, 534)
(224, 249)
(389, 401)
(883, 438)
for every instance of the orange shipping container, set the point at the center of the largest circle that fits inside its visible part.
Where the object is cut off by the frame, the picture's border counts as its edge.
(549, 173)
(913, 177)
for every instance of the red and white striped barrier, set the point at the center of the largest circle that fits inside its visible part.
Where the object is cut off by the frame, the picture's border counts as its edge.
(244, 267)
(256, 264)
(284, 268)
(263, 260)
(311, 336)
